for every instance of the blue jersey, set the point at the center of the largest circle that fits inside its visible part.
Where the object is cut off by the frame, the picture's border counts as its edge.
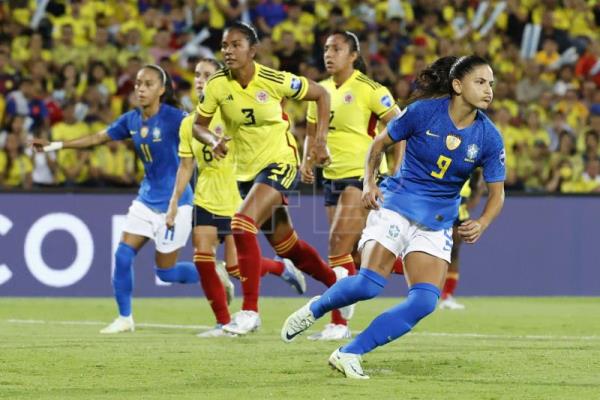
(439, 159)
(156, 141)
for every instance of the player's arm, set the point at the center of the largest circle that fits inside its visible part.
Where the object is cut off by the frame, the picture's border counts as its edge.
(318, 94)
(371, 193)
(471, 230)
(201, 133)
(96, 139)
(184, 175)
(398, 149)
(306, 168)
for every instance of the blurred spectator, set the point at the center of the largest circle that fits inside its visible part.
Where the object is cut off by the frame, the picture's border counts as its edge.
(267, 14)
(530, 88)
(26, 101)
(15, 166)
(73, 165)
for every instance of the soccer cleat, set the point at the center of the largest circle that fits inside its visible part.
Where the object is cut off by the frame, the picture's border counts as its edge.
(332, 332)
(348, 364)
(450, 303)
(224, 277)
(119, 325)
(348, 311)
(243, 322)
(293, 276)
(298, 322)
(217, 331)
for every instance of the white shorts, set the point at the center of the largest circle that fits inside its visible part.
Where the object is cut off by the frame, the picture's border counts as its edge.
(401, 236)
(143, 221)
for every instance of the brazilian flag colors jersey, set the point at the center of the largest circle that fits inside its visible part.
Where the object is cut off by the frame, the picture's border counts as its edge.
(438, 161)
(156, 141)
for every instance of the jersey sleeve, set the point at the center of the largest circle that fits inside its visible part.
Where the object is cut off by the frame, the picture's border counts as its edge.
(493, 160)
(311, 113)
(119, 129)
(185, 137)
(293, 87)
(208, 104)
(403, 126)
(381, 101)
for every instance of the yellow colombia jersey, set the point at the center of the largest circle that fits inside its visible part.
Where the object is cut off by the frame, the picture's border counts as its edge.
(465, 193)
(216, 187)
(356, 107)
(254, 118)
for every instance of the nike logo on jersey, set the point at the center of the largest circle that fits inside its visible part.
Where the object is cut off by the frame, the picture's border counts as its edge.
(429, 133)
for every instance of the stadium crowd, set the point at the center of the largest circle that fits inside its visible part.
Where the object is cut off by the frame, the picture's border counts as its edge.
(67, 68)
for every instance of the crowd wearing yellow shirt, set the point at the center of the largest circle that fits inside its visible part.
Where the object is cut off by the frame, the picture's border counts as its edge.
(87, 52)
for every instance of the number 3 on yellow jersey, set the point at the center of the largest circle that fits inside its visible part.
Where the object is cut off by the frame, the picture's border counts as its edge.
(443, 164)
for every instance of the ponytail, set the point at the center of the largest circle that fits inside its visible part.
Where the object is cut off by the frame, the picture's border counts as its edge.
(436, 80)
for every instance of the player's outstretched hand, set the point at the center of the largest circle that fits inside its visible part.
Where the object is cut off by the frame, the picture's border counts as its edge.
(39, 144)
(220, 148)
(470, 230)
(371, 195)
(306, 171)
(170, 217)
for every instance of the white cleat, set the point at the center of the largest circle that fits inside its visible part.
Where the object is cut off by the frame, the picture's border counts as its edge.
(348, 311)
(348, 364)
(224, 277)
(293, 276)
(450, 303)
(332, 332)
(243, 322)
(119, 325)
(299, 321)
(217, 331)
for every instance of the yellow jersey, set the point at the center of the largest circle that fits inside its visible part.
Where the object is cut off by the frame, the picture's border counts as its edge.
(356, 106)
(19, 169)
(253, 116)
(216, 186)
(68, 158)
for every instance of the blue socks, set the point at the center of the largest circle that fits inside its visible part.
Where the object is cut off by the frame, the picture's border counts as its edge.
(366, 285)
(123, 278)
(181, 272)
(395, 322)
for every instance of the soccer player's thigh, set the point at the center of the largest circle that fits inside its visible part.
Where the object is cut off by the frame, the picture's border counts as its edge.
(348, 222)
(205, 239)
(169, 242)
(260, 202)
(378, 258)
(278, 227)
(420, 267)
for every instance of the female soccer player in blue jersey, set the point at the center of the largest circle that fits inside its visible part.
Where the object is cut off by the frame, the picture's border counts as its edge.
(448, 136)
(249, 97)
(154, 129)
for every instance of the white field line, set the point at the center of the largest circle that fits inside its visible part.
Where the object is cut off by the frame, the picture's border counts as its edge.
(435, 334)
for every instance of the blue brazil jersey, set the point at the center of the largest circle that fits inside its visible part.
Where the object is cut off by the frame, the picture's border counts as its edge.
(439, 159)
(156, 142)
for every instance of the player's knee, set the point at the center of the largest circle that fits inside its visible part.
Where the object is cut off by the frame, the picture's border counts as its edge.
(423, 298)
(124, 255)
(368, 283)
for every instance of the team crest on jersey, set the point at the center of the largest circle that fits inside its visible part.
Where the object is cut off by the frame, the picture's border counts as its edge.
(219, 130)
(144, 132)
(453, 141)
(472, 152)
(156, 135)
(262, 96)
(386, 101)
(348, 98)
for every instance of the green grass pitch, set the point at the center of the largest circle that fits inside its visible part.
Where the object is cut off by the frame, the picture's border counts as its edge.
(498, 348)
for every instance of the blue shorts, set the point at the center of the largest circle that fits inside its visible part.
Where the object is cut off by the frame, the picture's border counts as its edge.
(203, 217)
(281, 177)
(333, 188)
